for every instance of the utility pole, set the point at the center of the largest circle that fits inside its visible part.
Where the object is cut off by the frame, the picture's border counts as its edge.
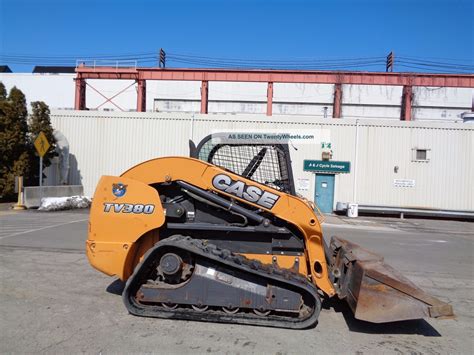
(390, 62)
(162, 62)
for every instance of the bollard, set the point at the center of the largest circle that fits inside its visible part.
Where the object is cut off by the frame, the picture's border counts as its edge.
(19, 186)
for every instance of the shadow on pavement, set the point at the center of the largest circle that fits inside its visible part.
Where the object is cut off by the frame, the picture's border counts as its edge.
(116, 287)
(416, 326)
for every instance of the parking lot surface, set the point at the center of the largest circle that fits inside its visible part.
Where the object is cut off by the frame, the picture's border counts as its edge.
(52, 301)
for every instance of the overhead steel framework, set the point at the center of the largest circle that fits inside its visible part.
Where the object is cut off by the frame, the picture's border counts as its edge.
(338, 78)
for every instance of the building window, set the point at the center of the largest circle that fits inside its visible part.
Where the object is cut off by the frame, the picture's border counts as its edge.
(421, 154)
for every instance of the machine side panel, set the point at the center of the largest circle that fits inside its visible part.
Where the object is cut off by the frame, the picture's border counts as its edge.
(122, 211)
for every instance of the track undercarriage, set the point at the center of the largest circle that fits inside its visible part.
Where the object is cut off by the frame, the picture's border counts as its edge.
(186, 278)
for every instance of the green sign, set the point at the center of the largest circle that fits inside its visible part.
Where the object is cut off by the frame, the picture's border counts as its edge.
(327, 166)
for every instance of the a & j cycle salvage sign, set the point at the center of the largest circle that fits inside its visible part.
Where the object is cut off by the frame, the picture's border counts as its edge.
(326, 166)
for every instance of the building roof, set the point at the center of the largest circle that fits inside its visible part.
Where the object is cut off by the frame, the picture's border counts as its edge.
(5, 69)
(53, 69)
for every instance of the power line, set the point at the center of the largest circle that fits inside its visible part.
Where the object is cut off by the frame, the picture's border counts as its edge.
(436, 64)
(74, 57)
(297, 60)
(438, 71)
(266, 65)
(428, 64)
(441, 58)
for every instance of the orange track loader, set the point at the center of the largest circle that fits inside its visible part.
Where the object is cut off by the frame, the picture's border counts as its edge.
(222, 236)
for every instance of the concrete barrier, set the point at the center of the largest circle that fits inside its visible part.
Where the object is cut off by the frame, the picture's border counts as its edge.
(32, 194)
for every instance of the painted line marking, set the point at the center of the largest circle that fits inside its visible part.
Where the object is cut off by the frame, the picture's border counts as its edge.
(415, 244)
(352, 226)
(47, 227)
(16, 226)
(8, 213)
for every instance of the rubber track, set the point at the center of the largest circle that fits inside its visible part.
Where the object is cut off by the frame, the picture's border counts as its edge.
(221, 256)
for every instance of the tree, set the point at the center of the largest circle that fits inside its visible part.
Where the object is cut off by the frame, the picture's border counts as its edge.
(39, 121)
(3, 91)
(18, 156)
(3, 140)
(14, 159)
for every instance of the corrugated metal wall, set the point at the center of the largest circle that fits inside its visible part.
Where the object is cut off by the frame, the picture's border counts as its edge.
(110, 143)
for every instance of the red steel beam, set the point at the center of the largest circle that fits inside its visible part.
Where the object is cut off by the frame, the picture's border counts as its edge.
(407, 98)
(204, 96)
(141, 96)
(278, 76)
(270, 99)
(107, 99)
(80, 97)
(336, 112)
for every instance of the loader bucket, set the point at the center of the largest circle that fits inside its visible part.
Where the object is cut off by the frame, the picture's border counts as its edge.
(375, 291)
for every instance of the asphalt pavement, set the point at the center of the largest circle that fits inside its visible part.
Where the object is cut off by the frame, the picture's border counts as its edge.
(52, 301)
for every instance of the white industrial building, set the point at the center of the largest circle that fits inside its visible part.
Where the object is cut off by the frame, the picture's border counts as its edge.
(447, 104)
(393, 164)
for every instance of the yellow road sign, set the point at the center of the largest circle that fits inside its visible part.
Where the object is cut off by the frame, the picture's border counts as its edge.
(41, 144)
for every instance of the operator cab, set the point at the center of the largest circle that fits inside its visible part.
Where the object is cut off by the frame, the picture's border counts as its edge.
(263, 162)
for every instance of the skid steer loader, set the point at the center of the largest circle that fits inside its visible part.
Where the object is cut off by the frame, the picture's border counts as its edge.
(222, 236)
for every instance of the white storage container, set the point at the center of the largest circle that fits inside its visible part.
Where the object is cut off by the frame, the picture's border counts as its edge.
(352, 210)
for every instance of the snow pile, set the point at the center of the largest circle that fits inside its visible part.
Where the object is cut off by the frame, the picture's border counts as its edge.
(64, 203)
